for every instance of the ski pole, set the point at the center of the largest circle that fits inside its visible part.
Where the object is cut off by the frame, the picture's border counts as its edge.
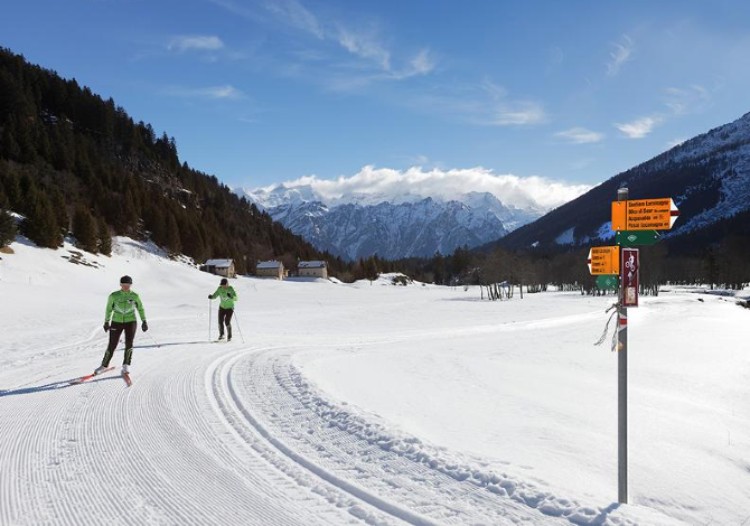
(209, 319)
(239, 326)
(153, 340)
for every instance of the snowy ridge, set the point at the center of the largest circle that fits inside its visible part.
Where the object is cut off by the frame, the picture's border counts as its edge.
(358, 226)
(730, 146)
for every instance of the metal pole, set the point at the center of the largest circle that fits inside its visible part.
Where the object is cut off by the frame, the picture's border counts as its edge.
(622, 388)
(209, 319)
(239, 326)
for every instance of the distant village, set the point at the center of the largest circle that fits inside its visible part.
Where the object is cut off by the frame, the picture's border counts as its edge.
(271, 269)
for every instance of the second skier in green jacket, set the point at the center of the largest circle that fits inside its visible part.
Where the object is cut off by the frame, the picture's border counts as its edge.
(228, 296)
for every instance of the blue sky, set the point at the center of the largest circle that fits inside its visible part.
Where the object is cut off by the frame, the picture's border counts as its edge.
(258, 92)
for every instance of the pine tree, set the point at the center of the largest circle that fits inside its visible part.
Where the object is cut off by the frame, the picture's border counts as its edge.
(9, 148)
(7, 228)
(173, 236)
(85, 229)
(105, 238)
(40, 225)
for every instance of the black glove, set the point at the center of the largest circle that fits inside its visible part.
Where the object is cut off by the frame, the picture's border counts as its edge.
(230, 295)
(210, 296)
(144, 326)
(106, 326)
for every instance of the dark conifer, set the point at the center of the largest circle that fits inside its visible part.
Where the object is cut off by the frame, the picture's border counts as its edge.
(7, 228)
(85, 229)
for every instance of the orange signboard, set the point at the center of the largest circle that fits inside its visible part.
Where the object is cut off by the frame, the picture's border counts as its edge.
(604, 260)
(644, 214)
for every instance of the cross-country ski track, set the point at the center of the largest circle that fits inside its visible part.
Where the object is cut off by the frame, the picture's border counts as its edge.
(232, 436)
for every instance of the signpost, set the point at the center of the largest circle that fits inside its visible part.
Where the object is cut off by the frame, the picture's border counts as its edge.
(636, 238)
(606, 282)
(622, 377)
(636, 223)
(629, 277)
(644, 214)
(604, 260)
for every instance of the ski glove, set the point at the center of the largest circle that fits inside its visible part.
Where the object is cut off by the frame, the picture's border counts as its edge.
(210, 296)
(106, 326)
(144, 326)
(230, 295)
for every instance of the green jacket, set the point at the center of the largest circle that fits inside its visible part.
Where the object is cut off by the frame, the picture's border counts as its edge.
(228, 296)
(121, 307)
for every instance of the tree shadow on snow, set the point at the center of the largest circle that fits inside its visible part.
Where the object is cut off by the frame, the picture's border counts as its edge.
(53, 386)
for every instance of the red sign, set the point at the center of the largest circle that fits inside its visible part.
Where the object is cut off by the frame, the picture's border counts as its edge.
(629, 276)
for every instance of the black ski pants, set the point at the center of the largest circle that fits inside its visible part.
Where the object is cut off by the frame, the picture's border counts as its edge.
(115, 331)
(225, 318)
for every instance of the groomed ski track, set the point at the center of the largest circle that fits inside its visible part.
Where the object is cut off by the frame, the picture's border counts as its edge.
(233, 435)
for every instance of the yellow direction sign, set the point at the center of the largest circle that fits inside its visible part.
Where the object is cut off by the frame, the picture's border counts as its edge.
(604, 260)
(644, 214)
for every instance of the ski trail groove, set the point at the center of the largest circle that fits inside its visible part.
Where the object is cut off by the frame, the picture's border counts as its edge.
(217, 382)
(414, 492)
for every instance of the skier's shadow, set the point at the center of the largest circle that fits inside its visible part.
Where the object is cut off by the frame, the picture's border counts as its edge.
(169, 344)
(54, 386)
(70, 383)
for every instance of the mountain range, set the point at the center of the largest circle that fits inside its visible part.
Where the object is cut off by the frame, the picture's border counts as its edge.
(361, 225)
(708, 177)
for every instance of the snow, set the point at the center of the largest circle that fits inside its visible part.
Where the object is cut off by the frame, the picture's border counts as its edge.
(566, 238)
(361, 404)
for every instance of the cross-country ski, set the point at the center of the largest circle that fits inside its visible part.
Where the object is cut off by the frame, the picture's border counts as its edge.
(88, 377)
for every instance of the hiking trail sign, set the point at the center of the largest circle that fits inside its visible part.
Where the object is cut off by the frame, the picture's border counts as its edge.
(644, 214)
(604, 260)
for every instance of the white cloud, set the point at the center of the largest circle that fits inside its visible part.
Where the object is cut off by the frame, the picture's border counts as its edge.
(621, 53)
(639, 128)
(518, 114)
(682, 101)
(421, 64)
(506, 112)
(294, 14)
(211, 92)
(580, 135)
(380, 184)
(195, 42)
(367, 58)
(486, 104)
(364, 46)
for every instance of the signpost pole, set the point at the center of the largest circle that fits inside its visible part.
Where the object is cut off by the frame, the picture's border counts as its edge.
(622, 388)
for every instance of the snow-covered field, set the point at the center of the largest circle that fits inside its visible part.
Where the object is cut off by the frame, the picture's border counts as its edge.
(361, 404)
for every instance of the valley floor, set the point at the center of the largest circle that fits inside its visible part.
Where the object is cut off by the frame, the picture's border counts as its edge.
(361, 404)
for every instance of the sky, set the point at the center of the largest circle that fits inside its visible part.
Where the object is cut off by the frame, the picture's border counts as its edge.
(266, 91)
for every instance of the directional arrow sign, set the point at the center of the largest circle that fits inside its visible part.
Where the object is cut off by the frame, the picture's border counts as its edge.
(635, 238)
(644, 214)
(604, 260)
(606, 282)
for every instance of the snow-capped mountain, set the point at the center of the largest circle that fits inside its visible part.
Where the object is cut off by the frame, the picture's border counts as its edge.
(708, 177)
(408, 225)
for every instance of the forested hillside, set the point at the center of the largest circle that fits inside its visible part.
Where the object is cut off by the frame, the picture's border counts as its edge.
(73, 163)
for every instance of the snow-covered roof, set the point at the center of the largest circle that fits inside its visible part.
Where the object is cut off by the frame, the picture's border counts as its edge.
(273, 264)
(221, 263)
(311, 264)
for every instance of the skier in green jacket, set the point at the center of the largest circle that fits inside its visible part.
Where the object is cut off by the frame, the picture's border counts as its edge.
(226, 307)
(121, 307)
